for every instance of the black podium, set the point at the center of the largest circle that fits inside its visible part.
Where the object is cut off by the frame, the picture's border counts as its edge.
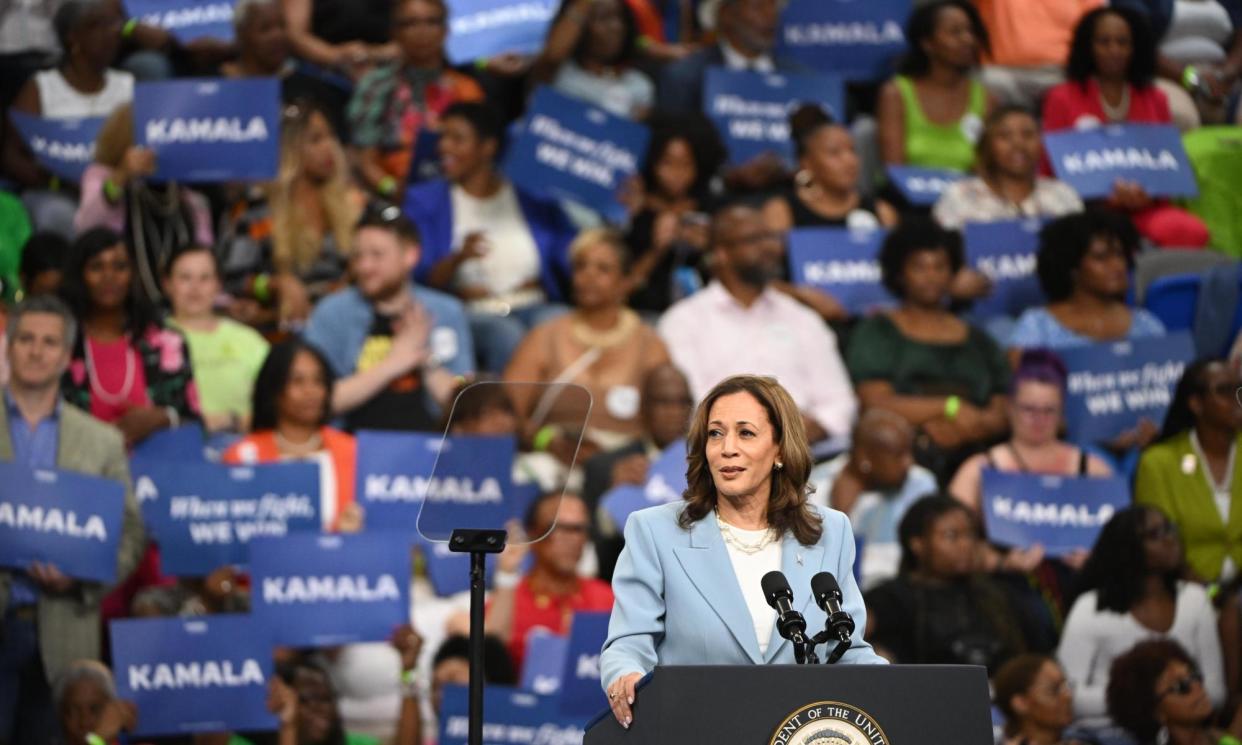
(817, 705)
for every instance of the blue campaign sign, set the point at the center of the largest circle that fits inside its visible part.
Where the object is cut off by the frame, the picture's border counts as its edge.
(1063, 514)
(841, 262)
(472, 486)
(544, 663)
(392, 474)
(326, 590)
(1093, 160)
(449, 571)
(210, 130)
(201, 674)
(581, 695)
(510, 717)
(922, 186)
(751, 109)
(1112, 386)
(63, 146)
(186, 442)
(666, 480)
(1005, 252)
(67, 519)
(187, 20)
(479, 29)
(570, 150)
(203, 515)
(860, 39)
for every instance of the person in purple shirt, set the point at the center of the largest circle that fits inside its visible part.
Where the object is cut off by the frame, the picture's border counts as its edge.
(49, 619)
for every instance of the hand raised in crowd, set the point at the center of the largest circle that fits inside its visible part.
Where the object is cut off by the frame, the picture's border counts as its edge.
(49, 577)
(1076, 559)
(282, 701)
(219, 587)
(408, 643)
(760, 172)
(117, 716)
(509, 64)
(632, 195)
(411, 331)
(352, 57)
(621, 697)
(138, 162)
(1140, 436)
(351, 519)
(140, 422)
(632, 469)
(510, 560)
(969, 284)
(1022, 559)
(1129, 195)
(292, 296)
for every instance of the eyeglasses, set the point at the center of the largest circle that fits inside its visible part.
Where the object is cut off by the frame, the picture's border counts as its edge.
(1065, 686)
(1163, 530)
(1222, 389)
(1183, 686)
(1036, 411)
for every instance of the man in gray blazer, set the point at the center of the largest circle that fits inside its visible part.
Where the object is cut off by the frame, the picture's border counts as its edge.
(47, 619)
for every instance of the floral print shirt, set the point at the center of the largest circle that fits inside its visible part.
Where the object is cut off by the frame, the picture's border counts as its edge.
(166, 367)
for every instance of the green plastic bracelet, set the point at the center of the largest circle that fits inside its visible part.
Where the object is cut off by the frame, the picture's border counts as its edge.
(543, 438)
(952, 405)
(262, 287)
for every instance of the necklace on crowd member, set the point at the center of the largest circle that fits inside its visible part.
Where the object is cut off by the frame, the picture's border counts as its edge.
(97, 388)
(627, 321)
(287, 447)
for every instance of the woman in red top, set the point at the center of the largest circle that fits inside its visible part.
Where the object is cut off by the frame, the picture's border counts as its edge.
(292, 405)
(1110, 73)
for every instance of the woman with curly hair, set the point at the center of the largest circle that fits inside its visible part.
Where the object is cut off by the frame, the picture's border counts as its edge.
(1130, 591)
(1156, 692)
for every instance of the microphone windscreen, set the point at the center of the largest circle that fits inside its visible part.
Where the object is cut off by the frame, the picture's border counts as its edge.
(775, 586)
(824, 584)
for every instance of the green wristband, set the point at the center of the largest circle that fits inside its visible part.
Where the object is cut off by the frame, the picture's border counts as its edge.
(127, 31)
(543, 438)
(952, 405)
(111, 191)
(387, 186)
(480, 63)
(1190, 77)
(94, 739)
(262, 287)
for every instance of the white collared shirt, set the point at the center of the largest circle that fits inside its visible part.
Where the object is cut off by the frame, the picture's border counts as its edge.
(735, 60)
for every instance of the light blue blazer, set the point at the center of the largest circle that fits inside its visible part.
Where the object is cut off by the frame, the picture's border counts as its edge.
(678, 601)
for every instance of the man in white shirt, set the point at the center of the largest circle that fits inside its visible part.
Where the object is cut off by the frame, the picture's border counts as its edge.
(739, 324)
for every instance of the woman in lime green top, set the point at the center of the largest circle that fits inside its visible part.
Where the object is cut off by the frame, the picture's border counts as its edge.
(1193, 473)
(932, 113)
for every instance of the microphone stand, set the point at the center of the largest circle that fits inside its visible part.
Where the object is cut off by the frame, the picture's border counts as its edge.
(477, 543)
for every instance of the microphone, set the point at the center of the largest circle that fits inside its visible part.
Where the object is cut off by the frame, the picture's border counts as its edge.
(828, 597)
(789, 622)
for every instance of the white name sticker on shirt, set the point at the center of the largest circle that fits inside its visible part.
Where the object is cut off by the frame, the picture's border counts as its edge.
(443, 344)
(622, 401)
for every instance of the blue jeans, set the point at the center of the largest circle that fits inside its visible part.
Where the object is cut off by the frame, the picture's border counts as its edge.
(497, 337)
(27, 713)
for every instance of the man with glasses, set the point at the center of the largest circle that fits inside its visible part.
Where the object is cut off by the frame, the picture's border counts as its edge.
(552, 591)
(740, 324)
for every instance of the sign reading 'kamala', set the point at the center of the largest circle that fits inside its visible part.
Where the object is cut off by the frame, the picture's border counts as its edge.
(1093, 160)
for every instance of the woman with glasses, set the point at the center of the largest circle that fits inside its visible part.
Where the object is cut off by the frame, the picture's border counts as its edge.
(1036, 402)
(1131, 591)
(1031, 690)
(1193, 474)
(1157, 693)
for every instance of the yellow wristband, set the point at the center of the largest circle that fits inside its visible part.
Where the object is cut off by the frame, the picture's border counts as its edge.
(952, 405)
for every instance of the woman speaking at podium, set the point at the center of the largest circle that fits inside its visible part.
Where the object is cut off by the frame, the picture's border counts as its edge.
(687, 585)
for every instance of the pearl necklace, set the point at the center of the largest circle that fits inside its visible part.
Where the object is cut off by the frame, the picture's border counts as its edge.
(113, 399)
(727, 532)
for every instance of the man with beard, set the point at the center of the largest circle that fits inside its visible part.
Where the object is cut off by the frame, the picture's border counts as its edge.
(740, 324)
(398, 349)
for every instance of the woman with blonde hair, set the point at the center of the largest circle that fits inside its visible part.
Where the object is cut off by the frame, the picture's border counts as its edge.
(688, 585)
(288, 241)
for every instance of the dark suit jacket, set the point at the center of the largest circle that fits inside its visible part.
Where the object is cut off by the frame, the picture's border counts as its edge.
(680, 88)
(597, 480)
(69, 623)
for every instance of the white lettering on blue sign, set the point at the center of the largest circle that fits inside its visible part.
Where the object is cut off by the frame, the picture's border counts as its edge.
(498, 17)
(588, 666)
(1114, 158)
(658, 490)
(857, 32)
(205, 130)
(729, 104)
(200, 15)
(604, 152)
(206, 674)
(841, 272)
(70, 152)
(388, 488)
(545, 734)
(330, 589)
(52, 520)
(927, 184)
(1051, 513)
(1007, 267)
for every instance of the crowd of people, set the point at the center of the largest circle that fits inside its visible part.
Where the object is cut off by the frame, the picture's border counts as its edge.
(392, 263)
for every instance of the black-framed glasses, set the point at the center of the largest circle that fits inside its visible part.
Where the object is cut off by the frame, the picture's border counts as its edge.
(1163, 530)
(1184, 685)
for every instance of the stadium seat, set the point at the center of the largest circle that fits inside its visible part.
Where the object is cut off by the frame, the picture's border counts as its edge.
(1172, 299)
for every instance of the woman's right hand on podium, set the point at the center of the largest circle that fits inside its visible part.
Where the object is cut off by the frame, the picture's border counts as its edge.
(621, 697)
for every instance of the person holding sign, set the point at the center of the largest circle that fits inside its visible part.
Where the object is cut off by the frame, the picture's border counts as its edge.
(1132, 590)
(946, 377)
(601, 345)
(687, 585)
(1007, 184)
(589, 55)
(50, 619)
(500, 250)
(396, 103)
(1036, 402)
(1193, 474)
(1110, 71)
(128, 368)
(292, 407)
(931, 114)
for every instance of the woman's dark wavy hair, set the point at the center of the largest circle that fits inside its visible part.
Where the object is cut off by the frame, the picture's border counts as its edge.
(1015, 678)
(498, 666)
(139, 313)
(706, 148)
(629, 49)
(1117, 567)
(486, 121)
(804, 122)
(1193, 382)
(1081, 64)
(916, 233)
(922, 26)
(1064, 242)
(274, 376)
(918, 521)
(1131, 694)
(788, 508)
